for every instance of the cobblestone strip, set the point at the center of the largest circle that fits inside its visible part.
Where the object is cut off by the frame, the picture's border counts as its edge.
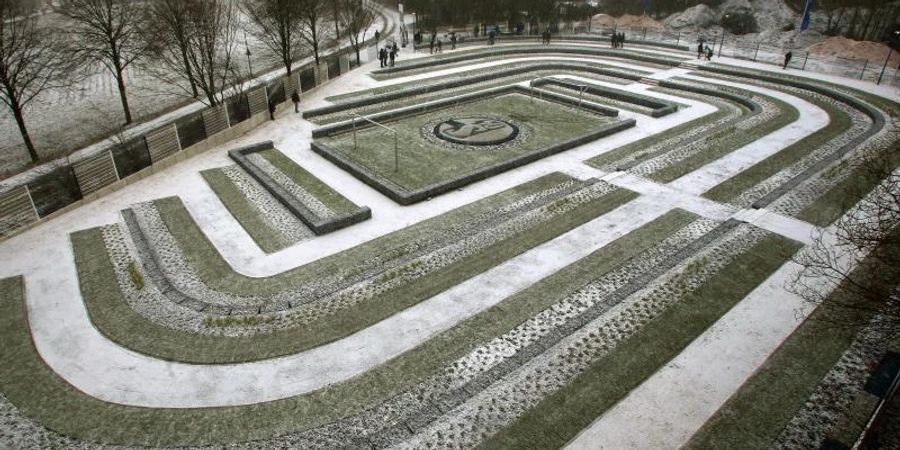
(833, 397)
(270, 210)
(660, 148)
(709, 140)
(507, 399)
(312, 300)
(309, 200)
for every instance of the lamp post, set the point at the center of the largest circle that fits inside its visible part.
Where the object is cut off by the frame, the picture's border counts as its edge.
(895, 39)
(724, 22)
(249, 64)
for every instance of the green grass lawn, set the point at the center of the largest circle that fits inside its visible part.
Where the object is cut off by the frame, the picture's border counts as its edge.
(40, 394)
(424, 162)
(559, 417)
(247, 214)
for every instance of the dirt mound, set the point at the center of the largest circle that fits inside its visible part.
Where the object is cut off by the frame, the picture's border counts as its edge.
(842, 47)
(627, 20)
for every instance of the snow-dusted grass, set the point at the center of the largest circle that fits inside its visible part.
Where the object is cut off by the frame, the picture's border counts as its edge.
(839, 123)
(425, 160)
(644, 148)
(115, 319)
(776, 115)
(331, 199)
(246, 212)
(755, 416)
(41, 394)
(611, 377)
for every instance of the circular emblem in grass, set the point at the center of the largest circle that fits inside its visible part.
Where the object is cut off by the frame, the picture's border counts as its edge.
(476, 131)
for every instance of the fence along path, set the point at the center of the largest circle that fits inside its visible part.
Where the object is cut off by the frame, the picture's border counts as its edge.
(16, 210)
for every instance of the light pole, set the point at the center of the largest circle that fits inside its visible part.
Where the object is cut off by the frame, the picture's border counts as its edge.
(724, 22)
(895, 39)
(249, 64)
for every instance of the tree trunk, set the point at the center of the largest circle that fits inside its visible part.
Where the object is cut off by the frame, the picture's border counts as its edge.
(358, 62)
(120, 80)
(189, 72)
(20, 121)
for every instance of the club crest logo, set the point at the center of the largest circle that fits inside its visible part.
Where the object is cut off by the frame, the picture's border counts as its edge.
(476, 131)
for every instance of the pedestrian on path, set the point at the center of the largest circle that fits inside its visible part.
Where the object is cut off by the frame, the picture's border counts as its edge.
(453, 41)
(392, 55)
(440, 48)
(295, 97)
(700, 50)
(271, 109)
(382, 56)
(622, 40)
(491, 38)
(709, 53)
(787, 58)
(431, 46)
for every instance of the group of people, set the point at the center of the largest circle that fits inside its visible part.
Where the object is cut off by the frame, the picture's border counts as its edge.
(704, 50)
(437, 45)
(545, 37)
(388, 54)
(617, 40)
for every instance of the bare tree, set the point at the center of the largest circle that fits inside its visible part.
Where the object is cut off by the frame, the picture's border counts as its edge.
(357, 16)
(29, 63)
(206, 58)
(108, 33)
(167, 29)
(278, 25)
(871, 228)
(313, 14)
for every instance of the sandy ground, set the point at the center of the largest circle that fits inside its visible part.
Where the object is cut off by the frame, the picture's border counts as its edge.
(841, 47)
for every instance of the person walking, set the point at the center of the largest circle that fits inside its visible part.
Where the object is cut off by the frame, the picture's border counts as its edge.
(392, 55)
(382, 56)
(295, 97)
(377, 36)
(700, 50)
(431, 46)
(612, 40)
(787, 59)
(622, 41)
(709, 53)
(453, 41)
(440, 46)
(271, 109)
(491, 38)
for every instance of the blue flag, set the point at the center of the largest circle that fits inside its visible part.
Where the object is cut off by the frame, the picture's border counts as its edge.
(807, 10)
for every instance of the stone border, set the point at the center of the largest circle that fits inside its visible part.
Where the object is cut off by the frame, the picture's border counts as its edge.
(315, 223)
(406, 197)
(659, 107)
(465, 81)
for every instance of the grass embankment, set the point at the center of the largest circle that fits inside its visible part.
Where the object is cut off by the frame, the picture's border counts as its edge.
(40, 394)
(112, 316)
(558, 418)
(247, 214)
(425, 162)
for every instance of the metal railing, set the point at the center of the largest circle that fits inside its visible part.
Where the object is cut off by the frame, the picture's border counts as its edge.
(391, 130)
